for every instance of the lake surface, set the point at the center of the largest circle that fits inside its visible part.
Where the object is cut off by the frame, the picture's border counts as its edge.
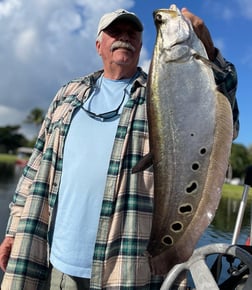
(220, 231)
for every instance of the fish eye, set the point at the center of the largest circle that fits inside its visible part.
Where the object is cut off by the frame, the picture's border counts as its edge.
(158, 18)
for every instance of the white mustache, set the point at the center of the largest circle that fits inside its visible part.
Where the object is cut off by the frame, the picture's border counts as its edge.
(122, 44)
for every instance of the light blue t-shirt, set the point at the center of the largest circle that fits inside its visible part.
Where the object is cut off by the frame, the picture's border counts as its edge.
(87, 153)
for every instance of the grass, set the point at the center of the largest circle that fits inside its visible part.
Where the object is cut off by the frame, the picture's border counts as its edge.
(8, 158)
(234, 191)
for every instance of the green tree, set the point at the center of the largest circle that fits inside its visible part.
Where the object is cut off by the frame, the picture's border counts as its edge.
(239, 159)
(36, 117)
(11, 139)
(250, 154)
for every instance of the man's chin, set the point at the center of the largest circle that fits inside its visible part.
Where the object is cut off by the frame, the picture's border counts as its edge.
(122, 60)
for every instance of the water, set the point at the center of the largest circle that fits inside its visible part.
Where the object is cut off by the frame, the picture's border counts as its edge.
(8, 180)
(9, 176)
(220, 231)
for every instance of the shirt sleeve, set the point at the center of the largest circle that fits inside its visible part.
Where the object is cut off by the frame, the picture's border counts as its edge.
(226, 80)
(29, 173)
(23, 188)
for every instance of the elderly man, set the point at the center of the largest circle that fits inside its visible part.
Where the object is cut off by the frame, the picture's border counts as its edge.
(79, 218)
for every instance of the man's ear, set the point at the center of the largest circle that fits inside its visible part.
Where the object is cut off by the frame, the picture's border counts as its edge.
(98, 45)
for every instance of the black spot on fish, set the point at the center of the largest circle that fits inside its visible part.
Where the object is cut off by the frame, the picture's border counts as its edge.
(203, 151)
(177, 227)
(192, 187)
(186, 209)
(167, 240)
(195, 166)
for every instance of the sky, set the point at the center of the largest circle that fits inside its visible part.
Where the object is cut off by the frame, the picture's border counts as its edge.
(46, 43)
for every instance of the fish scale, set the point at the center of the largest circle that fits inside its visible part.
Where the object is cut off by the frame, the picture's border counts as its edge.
(190, 128)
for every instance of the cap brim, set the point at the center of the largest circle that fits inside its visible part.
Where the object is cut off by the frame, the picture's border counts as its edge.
(131, 18)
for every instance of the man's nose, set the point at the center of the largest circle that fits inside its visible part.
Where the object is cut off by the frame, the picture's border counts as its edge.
(124, 36)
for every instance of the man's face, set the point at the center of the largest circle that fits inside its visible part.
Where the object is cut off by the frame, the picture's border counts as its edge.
(120, 44)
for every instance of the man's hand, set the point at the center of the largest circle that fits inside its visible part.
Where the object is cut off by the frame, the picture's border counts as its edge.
(5, 250)
(202, 32)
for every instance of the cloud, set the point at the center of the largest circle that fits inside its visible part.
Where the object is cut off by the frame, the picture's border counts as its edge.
(220, 9)
(246, 58)
(220, 44)
(245, 8)
(7, 7)
(233, 9)
(227, 13)
(7, 113)
(43, 45)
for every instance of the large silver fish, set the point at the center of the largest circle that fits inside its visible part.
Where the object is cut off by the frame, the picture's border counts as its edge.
(190, 126)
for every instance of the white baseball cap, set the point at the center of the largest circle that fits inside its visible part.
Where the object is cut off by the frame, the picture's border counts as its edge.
(122, 14)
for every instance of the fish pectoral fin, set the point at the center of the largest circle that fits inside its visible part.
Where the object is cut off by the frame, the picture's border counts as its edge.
(143, 164)
(208, 62)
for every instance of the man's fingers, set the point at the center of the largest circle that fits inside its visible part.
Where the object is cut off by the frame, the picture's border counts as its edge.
(5, 250)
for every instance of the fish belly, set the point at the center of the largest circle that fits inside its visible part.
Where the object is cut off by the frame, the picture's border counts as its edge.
(190, 126)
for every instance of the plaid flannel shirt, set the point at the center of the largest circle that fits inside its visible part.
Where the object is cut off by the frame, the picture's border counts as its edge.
(119, 260)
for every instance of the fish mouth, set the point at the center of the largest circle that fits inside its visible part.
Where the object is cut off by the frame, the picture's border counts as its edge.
(122, 45)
